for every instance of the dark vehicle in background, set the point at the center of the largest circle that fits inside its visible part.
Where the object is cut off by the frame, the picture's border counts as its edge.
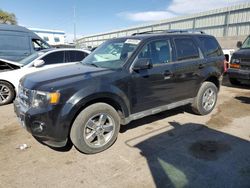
(18, 42)
(124, 79)
(239, 69)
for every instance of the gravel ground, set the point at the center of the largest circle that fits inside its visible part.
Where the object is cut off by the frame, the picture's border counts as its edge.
(171, 149)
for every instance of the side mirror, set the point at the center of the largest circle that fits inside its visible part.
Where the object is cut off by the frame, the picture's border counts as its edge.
(142, 64)
(38, 63)
(239, 44)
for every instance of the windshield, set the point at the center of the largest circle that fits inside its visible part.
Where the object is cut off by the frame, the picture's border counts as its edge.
(112, 54)
(29, 58)
(246, 43)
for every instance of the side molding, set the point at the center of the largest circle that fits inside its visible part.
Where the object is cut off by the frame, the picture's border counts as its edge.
(156, 110)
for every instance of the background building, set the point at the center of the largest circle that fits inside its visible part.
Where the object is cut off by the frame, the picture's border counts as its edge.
(228, 25)
(53, 37)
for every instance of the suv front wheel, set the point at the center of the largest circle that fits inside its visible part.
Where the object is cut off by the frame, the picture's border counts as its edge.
(206, 99)
(95, 128)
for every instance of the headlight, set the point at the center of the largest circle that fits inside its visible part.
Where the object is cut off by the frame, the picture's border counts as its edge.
(235, 61)
(41, 99)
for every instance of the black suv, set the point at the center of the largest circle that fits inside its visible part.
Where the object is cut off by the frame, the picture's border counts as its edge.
(239, 69)
(122, 80)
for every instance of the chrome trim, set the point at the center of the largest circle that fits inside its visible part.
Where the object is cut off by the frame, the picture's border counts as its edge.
(156, 110)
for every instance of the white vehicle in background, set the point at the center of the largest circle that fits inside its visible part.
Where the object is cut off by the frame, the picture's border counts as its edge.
(12, 72)
(228, 54)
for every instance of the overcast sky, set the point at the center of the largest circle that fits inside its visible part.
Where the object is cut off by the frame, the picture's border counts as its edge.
(95, 16)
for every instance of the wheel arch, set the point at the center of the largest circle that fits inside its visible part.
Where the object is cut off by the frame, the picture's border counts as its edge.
(2, 80)
(15, 89)
(71, 110)
(113, 100)
(214, 79)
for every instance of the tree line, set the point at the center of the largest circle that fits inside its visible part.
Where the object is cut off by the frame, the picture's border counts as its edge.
(7, 18)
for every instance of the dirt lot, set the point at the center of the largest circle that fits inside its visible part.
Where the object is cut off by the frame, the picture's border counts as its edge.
(170, 149)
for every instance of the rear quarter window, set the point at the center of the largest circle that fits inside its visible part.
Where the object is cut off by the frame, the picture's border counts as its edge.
(186, 49)
(211, 46)
(74, 56)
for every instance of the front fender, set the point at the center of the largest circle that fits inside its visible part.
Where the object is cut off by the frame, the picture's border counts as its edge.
(90, 93)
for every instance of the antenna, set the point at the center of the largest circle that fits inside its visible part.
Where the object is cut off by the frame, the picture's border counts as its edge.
(74, 24)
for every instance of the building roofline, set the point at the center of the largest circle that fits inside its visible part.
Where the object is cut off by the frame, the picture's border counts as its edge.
(175, 19)
(46, 31)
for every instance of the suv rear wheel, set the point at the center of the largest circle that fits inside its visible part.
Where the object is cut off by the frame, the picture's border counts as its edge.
(96, 128)
(206, 99)
(7, 93)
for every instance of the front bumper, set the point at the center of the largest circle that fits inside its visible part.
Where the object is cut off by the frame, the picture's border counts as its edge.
(239, 74)
(43, 124)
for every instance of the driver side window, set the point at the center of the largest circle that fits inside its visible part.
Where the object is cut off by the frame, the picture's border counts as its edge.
(158, 51)
(39, 45)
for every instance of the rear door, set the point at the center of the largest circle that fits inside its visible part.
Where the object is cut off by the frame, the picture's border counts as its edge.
(189, 61)
(14, 45)
(213, 52)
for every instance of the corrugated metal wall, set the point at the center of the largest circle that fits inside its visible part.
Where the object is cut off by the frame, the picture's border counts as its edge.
(226, 22)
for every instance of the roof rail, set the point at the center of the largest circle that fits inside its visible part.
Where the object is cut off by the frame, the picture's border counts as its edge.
(185, 31)
(148, 32)
(170, 31)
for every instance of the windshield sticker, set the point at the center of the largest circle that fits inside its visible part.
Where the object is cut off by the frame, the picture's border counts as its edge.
(132, 41)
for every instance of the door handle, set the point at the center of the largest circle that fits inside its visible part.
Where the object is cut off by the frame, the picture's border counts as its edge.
(26, 53)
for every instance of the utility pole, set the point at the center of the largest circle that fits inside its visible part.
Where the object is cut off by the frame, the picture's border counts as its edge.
(74, 24)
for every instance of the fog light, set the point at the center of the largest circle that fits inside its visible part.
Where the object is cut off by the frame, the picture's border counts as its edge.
(38, 126)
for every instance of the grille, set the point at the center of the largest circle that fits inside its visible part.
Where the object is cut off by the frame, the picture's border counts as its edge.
(245, 64)
(24, 96)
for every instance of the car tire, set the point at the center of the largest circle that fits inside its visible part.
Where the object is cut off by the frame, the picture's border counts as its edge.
(206, 99)
(234, 81)
(95, 129)
(7, 93)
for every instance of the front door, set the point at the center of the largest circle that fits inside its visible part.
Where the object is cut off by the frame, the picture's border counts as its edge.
(155, 86)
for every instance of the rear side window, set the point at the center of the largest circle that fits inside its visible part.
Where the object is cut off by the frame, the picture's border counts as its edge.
(54, 58)
(13, 42)
(211, 46)
(74, 56)
(186, 49)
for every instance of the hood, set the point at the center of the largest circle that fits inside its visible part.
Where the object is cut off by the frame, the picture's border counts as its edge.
(58, 76)
(6, 65)
(242, 54)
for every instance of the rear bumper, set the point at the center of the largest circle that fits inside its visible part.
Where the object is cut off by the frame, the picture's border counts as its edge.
(239, 74)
